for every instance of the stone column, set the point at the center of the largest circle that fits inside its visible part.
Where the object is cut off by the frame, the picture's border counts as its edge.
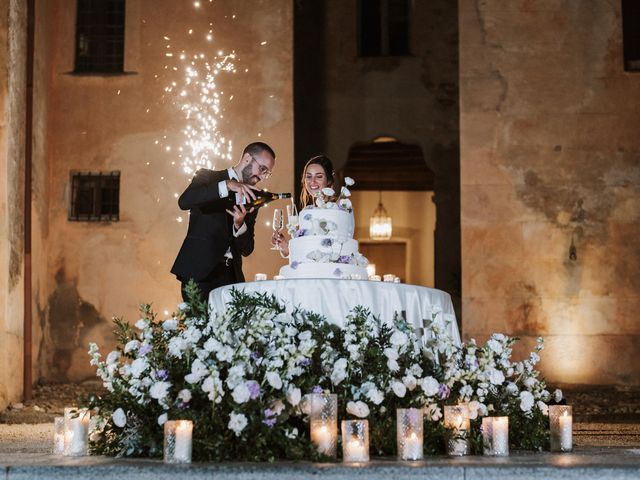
(12, 121)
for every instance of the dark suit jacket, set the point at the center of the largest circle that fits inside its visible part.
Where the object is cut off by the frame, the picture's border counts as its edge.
(210, 231)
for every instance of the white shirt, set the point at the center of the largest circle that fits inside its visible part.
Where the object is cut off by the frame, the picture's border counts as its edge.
(223, 190)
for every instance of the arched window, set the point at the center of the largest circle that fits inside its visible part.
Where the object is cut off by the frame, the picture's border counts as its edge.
(100, 36)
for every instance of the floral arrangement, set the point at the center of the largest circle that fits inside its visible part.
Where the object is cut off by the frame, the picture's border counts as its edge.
(326, 198)
(241, 376)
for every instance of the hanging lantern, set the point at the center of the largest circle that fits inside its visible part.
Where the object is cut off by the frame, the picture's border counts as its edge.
(380, 227)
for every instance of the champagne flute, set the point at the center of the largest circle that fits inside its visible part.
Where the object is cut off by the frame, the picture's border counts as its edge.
(278, 224)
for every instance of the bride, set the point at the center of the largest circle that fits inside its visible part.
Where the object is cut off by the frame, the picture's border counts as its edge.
(317, 174)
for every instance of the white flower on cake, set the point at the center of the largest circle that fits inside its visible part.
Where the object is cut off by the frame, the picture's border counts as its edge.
(348, 181)
(328, 191)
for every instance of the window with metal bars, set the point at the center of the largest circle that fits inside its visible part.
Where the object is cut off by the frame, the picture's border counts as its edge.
(95, 197)
(384, 27)
(631, 34)
(100, 36)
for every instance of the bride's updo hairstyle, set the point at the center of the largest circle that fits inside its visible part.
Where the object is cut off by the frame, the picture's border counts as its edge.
(327, 166)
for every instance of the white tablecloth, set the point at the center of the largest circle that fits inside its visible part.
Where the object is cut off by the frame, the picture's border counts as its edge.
(334, 299)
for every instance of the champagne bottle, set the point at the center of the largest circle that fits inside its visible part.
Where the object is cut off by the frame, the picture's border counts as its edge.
(262, 198)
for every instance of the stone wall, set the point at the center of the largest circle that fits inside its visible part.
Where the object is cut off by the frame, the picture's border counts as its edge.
(104, 123)
(550, 168)
(13, 37)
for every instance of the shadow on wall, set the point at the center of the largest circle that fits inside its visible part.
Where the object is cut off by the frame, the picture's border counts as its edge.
(73, 323)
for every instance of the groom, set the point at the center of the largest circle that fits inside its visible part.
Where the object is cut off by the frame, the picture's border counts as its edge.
(219, 236)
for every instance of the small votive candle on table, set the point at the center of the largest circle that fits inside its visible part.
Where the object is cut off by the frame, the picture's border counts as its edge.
(456, 417)
(375, 278)
(355, 441)
(389, 277)
(278, 277)
(58, 436)
(323, 422)
(76, 431)
(409, 436)
(177, 441)
(260, 277)
(495, 436)
(561, 428)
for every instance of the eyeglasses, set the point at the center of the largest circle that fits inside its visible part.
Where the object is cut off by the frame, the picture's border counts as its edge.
(264, 172)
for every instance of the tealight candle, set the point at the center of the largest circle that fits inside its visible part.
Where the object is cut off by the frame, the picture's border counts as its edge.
(375, 278)
(561, 428)
(396, 280)
(389, 277)
(260, 277)
(409, 436)
(495, 436)
(355, 441)
(177, 441)
(456, 417)
(58, 436)
(355, 276)
(323, 422)
(76, 431)
(278, 277)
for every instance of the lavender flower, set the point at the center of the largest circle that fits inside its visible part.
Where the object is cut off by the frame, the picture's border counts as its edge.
(326, 242)
(305, 362)
(162, 374)
(443, 391)
(307, 217)
(254, 389)
(255, 356)
(295, 264)
(269, 422)
(317, 389)
(344, 259)
(300, 233)
(337, 272)
(269, 417)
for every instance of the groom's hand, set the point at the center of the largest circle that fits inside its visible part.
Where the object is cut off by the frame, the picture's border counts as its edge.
(238, 213)
(244, 189)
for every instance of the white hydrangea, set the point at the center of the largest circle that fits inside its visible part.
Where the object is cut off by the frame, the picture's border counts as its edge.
(159, 390)
(430, 386)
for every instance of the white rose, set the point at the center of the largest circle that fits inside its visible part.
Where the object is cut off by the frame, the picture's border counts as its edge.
(543, 407)
(162, 419)
(141, 324)
(375, 395)
(557, 395)
(512, 388)
(391, 353)
(184, 395)
(138, 366)
(526, 401)
(399, 338)
(131, 345)
(328, 191)
(113, 357)
(212, 345)
(241, 393)
(496, 377)
(530, 382)
(430, 386)
(198, 372)
(170, 325)
(393, 365)
(339, 372)
(410, 382)
(495, 346)
(119, 418)
(293, 395)
(274, 380)
(348, 181)
(159, 390)
(399, 388)
(237, 422)
(358, 409)
(345, 192)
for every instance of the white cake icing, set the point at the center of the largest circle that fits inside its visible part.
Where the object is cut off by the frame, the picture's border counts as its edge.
(323, 246)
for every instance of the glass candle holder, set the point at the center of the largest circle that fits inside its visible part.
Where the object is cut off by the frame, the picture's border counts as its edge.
(323, 422)
(177, 441)
(76, 431)
(409, 434)
(58, 436)
(355, 441)
(260, 277)
(389, 277)
(375, 278)
(355, 276)
(561, 428)
(495, 436)
(456, 417)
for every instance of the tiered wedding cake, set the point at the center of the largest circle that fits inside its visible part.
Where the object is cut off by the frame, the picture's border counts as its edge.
(322, 244)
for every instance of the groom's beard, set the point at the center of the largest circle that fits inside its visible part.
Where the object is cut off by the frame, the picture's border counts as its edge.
(247, 175)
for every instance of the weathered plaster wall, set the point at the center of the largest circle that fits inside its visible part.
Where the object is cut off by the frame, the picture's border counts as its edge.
(413, 98)
(112, 122)
(12, 120)
(550, 157)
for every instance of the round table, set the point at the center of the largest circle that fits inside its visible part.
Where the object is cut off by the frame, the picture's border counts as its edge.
(334, 299)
